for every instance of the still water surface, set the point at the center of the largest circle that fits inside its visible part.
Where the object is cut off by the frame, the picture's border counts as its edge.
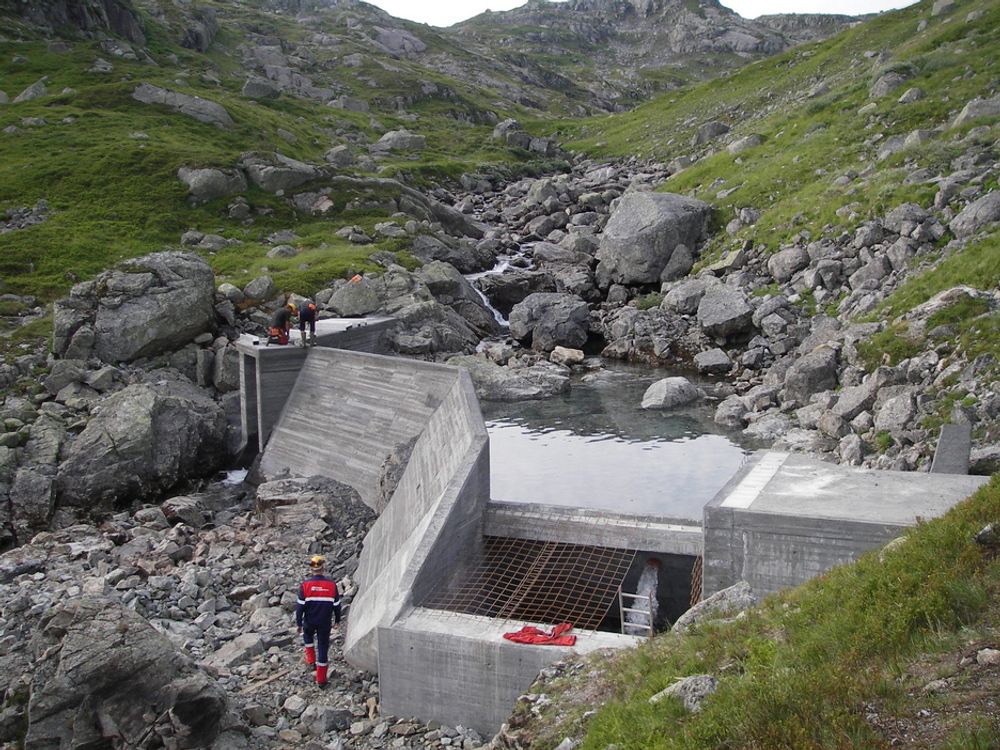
(596, 448)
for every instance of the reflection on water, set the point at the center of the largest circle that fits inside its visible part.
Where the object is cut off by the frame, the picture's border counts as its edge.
(596, 448)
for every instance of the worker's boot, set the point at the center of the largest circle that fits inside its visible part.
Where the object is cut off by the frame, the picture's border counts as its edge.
(321, 675)
(310, 655)
(302, 337)
(312, 339)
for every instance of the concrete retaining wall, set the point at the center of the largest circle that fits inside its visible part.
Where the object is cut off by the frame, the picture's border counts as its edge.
(458, 669)
(433, 521)
(268, 373)
(784, 519)
(347, 413)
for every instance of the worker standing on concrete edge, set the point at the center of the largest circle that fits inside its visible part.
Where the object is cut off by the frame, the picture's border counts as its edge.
(318, 603)
(307, 314)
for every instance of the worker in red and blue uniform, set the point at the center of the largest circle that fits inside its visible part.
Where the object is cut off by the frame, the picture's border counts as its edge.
(316, 612)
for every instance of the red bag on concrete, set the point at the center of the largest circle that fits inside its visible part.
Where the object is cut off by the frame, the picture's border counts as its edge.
(538, 637)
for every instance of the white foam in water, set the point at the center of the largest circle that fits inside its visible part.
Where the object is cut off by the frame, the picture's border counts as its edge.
(235, 476)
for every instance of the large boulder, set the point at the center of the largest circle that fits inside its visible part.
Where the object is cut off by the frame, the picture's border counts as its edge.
(670, 393)
(812, 373)
(277, 173)
(977, 215)
(466, 256)
(432, 328)
(399, 140)
(724, 312)
(143, 440)
(642, 234)
(978, 108)
(786, 263)
(102, 671)
(200, 109)
(504, 290)
(549, 319)
(451, 288)
(211, 183)
(144, 307)
(719, 606)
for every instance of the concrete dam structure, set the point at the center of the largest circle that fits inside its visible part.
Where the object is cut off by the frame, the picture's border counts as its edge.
(445, 571)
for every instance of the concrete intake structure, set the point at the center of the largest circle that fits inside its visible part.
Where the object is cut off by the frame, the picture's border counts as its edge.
(360, 418)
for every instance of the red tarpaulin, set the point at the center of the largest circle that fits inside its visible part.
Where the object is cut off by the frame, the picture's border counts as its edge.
(537, 637)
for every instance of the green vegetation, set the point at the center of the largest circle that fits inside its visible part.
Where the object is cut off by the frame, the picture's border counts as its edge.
(804, 669)
(819, 171)
(889, 347)
(649, 301)
(107, 164)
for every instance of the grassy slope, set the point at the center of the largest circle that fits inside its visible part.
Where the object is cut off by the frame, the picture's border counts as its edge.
(113, 194)
(805, 669)
(809, 142)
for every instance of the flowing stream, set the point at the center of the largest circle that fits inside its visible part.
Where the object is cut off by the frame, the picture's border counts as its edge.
(596, 448)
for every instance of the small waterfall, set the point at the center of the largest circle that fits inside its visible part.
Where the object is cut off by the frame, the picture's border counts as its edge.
(502, 265)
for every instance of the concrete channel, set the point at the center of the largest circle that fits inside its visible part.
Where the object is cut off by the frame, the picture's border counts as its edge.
(445, 571)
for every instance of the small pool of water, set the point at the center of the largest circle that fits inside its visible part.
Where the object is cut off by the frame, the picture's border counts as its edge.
(596, 448)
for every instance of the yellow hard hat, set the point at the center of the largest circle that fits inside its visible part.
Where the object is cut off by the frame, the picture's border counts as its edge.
(291, 306)
(316, 561)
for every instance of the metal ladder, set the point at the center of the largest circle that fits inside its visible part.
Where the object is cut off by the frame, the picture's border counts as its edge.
(637, 601)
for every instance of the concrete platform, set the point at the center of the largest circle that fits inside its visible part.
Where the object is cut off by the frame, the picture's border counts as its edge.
(458, 669)
(785, 518)
(272, 370)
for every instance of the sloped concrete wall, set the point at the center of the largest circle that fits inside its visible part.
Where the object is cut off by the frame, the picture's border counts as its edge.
(348, 411)
(433, 521)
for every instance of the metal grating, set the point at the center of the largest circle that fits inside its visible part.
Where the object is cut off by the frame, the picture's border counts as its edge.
(544, 582)
(696, 580)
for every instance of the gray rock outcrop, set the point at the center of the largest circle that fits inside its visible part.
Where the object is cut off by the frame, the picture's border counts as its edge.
(399, 140)
(141, 441)
(721, 605)
(200, 109)
(146, 306)
(496, 383)
(642, 234)
(210, 183)
(977, 215)
(106, 673)
(546, 320)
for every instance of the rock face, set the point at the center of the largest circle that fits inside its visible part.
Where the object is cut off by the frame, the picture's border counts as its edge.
(550, 319)
(143, 440)
(146, 306)
(105, 670)
(642, 234)
(200, 109)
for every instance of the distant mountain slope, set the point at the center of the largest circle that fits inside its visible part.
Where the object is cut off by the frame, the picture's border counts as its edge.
(622, 50)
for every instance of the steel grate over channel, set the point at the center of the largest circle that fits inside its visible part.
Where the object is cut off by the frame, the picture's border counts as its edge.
(534, 581)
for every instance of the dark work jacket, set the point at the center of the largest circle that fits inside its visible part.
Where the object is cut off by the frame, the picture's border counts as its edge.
(318, 602)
